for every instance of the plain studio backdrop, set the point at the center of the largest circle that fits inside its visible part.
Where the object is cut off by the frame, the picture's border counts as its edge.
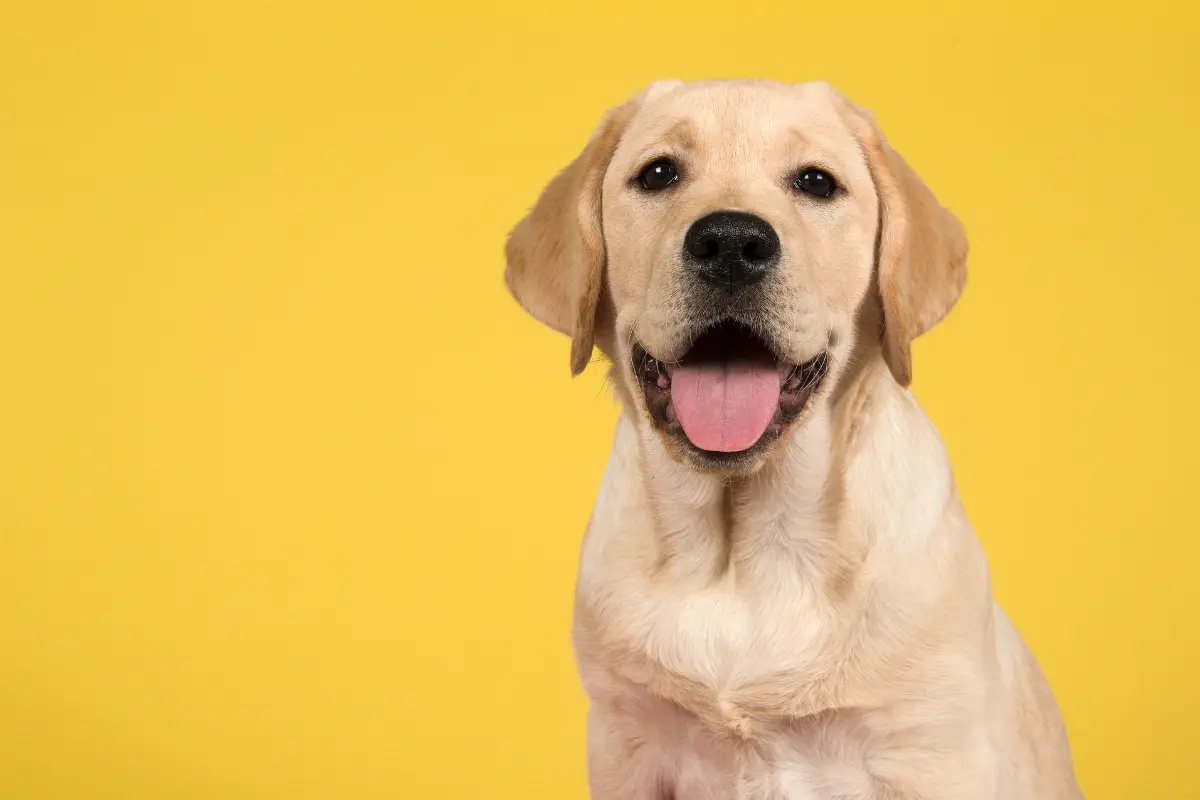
(291, 492)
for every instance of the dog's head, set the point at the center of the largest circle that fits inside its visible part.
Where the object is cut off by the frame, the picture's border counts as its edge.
(729, 245)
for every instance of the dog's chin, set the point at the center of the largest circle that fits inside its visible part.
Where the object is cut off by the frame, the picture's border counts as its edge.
(730, 402)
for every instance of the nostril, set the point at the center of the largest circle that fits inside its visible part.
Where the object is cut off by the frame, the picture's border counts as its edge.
(705, 247)
(762, 248)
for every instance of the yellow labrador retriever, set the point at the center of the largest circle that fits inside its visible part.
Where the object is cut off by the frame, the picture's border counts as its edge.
(780, 596)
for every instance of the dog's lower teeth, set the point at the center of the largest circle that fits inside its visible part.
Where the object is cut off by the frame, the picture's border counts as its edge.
(653, 372)
(649, 369)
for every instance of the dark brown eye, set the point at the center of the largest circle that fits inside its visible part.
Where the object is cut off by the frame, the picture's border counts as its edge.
(658, 175)
(816, 182)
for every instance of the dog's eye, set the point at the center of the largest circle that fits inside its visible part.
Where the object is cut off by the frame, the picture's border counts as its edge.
(658, 175)
(816, 182)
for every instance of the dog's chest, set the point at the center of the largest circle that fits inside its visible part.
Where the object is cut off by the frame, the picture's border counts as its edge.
(713, 651)
(731, 704)
(816, 759)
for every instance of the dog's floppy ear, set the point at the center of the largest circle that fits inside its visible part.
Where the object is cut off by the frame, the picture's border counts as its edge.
(921, 253)
(556, 253)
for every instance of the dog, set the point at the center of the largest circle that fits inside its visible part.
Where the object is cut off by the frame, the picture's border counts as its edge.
(779, 596)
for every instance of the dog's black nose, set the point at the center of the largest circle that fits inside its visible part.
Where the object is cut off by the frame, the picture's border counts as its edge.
(731, 249)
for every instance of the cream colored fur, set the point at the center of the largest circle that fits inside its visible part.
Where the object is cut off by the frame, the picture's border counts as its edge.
(819, 623)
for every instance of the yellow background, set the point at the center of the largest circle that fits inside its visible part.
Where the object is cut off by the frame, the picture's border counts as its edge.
(291, 492)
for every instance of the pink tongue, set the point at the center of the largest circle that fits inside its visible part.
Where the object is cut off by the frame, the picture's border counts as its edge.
(725, 407)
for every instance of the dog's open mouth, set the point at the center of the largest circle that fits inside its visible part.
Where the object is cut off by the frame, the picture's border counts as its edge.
(729, 391)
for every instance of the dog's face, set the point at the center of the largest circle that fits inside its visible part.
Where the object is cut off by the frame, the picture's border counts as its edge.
(739, 224)
(728, 244)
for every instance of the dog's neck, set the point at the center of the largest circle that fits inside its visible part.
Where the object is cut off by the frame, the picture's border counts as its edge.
(787, 512)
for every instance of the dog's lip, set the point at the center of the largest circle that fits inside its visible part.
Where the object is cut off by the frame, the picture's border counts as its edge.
(642, 358)
(791, 374)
